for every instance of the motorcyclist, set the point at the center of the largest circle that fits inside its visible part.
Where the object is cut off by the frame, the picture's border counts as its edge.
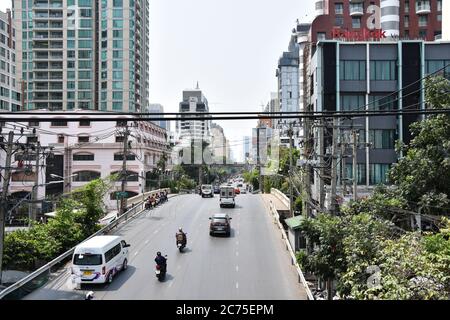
(161, 261)
(182, 235)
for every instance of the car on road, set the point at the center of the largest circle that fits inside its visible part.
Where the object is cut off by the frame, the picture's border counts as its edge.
(220, 223)
(236, 190)
(207, 191)
(99, 259)
(227, 197)
(216, 189)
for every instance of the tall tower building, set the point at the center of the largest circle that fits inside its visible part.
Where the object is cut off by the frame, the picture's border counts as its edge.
(194, 104)
(88, 54)
(406, 19)
(10, 97)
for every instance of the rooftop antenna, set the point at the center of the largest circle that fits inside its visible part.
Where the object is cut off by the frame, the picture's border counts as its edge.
(197, 86)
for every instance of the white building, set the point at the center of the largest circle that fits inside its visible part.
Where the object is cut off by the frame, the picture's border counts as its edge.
(194, 104)
(85, 150)
(218, 144)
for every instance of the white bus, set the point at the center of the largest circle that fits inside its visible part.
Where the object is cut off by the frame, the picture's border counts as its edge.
(99, 259)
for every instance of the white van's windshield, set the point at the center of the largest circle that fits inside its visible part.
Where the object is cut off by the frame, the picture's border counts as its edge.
(87, 259)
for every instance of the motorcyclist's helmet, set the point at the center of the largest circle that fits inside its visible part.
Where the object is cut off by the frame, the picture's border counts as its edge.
(180, 229)
(158, 253)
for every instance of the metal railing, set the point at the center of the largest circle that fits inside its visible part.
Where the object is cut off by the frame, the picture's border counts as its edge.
(39, 277)
(294, 262)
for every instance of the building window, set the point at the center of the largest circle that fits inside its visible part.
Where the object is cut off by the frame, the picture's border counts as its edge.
(383, 70)
(352, 70)
(339, 8)
(32, 140)
(356, 22)
(437, 66)
(382, 139)
(83, 139)
(121, 123)
(439, 5)
(352, 102)
(85, 123)
(120, 138)
(85, 176)
(321, 36)
(422, 34)
(338, 21)
(383, 102)
(33, 123)
(406, 21)
(59, 123)
(378, 173)
(406, 6)
(119, 157)
(423, 21)
(83, 157)
(60, 138)
(360, 172)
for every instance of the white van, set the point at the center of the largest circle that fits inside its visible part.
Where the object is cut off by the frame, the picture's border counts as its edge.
(227, 197)
(99, 259)
(207, 190)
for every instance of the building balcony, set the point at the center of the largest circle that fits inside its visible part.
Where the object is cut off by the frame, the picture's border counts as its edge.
(356, 10)
(423, 7)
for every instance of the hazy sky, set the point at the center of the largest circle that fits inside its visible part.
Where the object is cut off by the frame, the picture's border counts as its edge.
(231, 47)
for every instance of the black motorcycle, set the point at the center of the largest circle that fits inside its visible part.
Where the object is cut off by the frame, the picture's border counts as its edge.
(161, 271)
(181, 242)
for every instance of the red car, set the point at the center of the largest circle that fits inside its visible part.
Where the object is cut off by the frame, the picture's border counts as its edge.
(237, 191)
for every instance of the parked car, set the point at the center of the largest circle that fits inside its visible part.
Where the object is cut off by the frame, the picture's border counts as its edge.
(99, 259)
(220, 223)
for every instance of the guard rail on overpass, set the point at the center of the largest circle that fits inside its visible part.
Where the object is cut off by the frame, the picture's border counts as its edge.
(39, 277)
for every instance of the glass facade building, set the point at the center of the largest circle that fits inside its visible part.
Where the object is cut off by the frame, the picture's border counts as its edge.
(83, 54)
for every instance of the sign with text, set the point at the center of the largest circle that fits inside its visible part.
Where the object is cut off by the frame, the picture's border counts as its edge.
(358, 35)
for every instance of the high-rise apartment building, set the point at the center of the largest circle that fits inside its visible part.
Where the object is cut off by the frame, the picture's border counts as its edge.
(10, 97)
(83, 54)
(352, 20)
(194, 104)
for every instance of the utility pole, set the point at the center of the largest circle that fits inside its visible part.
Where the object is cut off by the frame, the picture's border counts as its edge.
(124, 171)
(32, 208)
(320, 155)
(258, 161)
(334, 166)
(354, 148)
(291, 195)
(4, 202)
(343, 168)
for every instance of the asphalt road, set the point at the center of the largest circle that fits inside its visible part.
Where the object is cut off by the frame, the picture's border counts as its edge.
(251, 264)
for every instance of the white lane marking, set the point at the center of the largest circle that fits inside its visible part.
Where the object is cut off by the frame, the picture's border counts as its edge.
(178, 267)
(156, 231)
(237, 243)
(237, 253)
(136, 253)
(170, 284)
(237, 285)
(146, 241)
(237, 268)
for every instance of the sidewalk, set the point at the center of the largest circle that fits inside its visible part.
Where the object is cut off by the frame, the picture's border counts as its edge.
(270, 198)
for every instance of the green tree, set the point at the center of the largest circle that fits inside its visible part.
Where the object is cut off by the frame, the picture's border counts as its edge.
(422, 175)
